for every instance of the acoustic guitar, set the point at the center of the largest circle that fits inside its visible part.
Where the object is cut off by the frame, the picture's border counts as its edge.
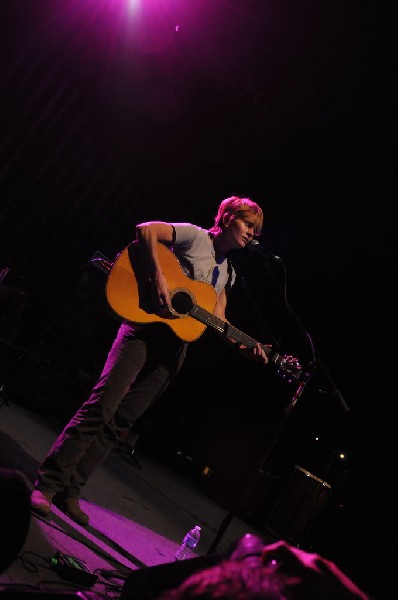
(192, 303)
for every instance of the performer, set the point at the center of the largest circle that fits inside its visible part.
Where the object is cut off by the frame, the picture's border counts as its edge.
(145, 357)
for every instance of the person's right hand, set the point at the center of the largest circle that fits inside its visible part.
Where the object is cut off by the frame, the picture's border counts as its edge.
(160, 296)
(310, 575)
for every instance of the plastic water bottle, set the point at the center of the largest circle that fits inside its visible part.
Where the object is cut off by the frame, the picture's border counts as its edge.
(189, 543)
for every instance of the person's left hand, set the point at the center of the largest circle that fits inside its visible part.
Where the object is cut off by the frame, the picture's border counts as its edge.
(257, 353)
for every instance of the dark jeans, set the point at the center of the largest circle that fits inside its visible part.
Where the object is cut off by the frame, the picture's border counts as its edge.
(140, 365)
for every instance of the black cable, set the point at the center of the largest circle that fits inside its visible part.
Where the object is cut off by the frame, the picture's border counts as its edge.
(96, 550)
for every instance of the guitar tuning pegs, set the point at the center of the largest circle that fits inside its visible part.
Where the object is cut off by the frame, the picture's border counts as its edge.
(289, 367)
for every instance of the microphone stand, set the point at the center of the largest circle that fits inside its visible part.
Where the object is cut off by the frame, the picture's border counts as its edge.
(282, 424)
(266, 257)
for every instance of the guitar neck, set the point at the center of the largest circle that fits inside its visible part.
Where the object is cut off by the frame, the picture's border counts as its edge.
(232, 332)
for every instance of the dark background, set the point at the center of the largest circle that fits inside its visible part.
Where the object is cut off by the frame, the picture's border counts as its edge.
(110, 117)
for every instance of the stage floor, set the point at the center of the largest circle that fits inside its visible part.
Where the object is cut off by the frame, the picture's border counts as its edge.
(139, 514)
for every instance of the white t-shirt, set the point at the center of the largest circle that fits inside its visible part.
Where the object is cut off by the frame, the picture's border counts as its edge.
(194, 249)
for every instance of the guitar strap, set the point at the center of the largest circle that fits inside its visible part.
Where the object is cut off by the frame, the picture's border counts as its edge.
(231, 277)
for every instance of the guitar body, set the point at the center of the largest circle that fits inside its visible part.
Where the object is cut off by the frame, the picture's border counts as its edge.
(126, 292)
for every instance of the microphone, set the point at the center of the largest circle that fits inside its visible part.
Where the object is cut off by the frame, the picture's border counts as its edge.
(255, 246)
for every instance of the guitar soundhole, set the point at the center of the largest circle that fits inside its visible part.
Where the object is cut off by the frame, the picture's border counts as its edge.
(182, 302)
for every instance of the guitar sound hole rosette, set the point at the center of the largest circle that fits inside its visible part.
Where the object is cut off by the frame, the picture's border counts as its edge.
(182, 302)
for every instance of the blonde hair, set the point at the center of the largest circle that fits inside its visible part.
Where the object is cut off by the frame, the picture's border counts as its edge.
(236, 207)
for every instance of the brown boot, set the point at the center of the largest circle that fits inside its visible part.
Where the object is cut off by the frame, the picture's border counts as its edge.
(40, 502)
(71, 507)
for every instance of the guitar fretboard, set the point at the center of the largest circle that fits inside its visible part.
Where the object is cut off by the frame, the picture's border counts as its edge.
(230, 331)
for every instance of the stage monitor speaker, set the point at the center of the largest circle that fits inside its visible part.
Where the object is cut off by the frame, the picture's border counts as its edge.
(148, 583)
